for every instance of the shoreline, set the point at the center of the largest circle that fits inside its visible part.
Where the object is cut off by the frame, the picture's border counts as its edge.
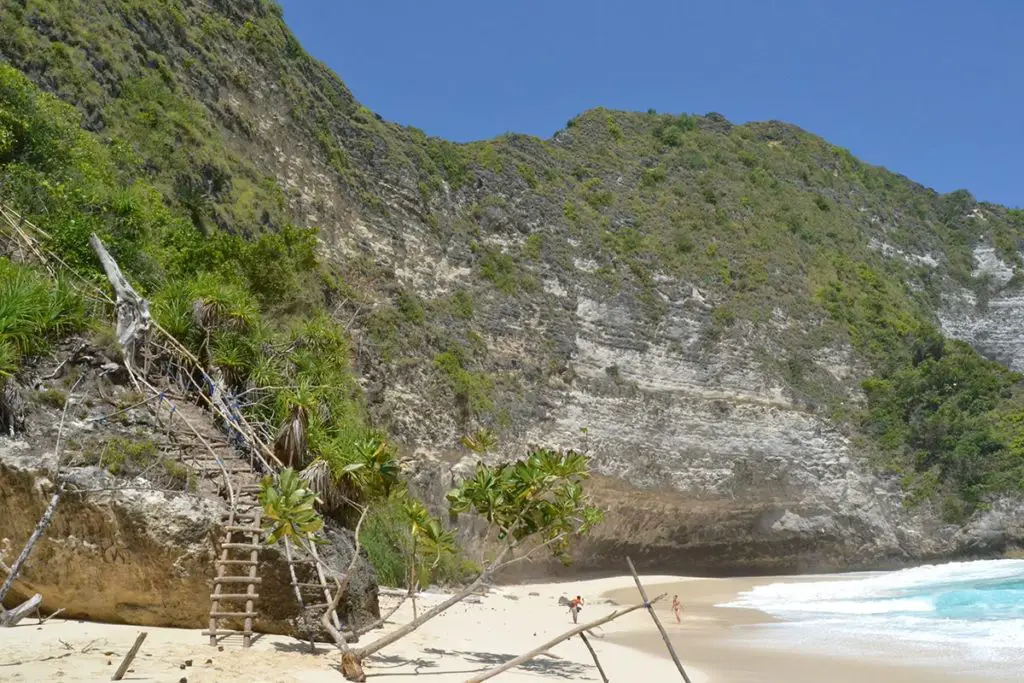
(732, 644)
(716, 644)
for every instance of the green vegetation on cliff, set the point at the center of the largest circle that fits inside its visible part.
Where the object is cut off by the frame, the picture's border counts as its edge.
(249, 307)
(792, 241)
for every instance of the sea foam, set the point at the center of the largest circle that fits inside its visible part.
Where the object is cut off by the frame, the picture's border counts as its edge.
(968, 613)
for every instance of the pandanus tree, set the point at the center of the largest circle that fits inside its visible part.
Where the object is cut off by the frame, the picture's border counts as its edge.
(531, 505)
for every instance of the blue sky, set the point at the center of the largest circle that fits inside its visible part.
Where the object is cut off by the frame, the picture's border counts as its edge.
(933, 89)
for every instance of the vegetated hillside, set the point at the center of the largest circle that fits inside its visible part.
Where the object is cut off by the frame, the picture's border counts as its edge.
(743, 323)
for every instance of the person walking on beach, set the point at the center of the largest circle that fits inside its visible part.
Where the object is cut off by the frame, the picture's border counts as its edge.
(575, 605)
(677, 607)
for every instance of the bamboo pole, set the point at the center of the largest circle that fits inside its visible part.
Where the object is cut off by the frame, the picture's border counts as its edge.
(521, 659)
(597, 663)
(657, 622)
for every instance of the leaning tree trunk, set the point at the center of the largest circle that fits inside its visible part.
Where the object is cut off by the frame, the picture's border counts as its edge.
(352, 660)
(593, 653)
(41, 525)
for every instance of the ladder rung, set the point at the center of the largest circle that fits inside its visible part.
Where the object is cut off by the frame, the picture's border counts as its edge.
(251, 529)
(246, 546)
(248, 562)
(235, 596)
(227, 632)
(231, 615)
(237, 579)
(309, 585)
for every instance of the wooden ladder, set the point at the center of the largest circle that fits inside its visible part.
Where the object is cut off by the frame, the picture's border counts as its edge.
(246, 524)
(317, 583)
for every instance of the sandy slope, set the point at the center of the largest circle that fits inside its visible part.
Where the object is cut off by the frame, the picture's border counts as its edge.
(469, 638)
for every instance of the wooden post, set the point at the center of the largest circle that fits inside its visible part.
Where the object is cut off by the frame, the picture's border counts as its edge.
(41, 525)
(521, 659)
(597, 663)
(119, 674)
(657, 622)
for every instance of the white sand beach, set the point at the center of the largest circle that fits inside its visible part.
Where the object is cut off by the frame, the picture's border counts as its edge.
(468, 639)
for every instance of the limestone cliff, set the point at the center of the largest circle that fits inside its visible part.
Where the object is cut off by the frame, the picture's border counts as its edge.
(703, 299)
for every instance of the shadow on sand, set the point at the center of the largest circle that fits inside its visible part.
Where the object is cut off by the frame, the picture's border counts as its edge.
(558, 668)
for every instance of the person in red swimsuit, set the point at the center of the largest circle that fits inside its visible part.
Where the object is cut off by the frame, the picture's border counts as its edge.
(575, 605)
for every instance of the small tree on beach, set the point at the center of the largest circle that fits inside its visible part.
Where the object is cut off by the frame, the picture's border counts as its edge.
(533, 504)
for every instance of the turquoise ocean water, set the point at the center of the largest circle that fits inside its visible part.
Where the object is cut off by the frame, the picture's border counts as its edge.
(965, 615)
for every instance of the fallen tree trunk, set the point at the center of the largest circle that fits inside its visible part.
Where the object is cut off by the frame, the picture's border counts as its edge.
(400, 633)
(350, 663)
(133, 318)
(521, 659)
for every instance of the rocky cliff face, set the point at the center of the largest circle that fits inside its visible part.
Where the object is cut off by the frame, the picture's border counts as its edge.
(137, 546)
(989, 317)
(658, 281)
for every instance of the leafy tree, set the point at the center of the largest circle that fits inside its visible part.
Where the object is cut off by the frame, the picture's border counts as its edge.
(533, 504)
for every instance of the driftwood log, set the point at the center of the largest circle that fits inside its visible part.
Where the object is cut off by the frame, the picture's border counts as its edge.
(13, 616)
(127, 661)
(7, 618)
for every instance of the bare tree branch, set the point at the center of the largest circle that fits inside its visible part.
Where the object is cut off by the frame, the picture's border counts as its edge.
(522, 659)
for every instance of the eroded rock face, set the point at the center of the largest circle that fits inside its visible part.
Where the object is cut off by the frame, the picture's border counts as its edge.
(119, 551)
(142, 557)
(119, 556)
(704, 464)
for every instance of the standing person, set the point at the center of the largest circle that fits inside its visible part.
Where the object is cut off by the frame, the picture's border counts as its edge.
(575, 605)
(677, 607)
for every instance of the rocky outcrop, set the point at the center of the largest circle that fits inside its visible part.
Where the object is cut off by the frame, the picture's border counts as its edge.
(991, 317)
(129, 548)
